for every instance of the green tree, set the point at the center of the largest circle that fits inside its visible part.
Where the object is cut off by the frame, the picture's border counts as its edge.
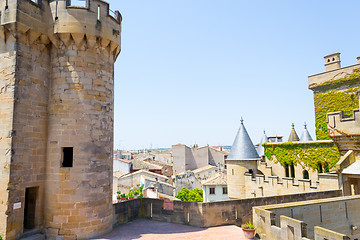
(196, 195)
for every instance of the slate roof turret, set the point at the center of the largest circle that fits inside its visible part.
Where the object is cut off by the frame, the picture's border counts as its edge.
(260, 149)
(243, 148)
(293, 135)
(305, 136)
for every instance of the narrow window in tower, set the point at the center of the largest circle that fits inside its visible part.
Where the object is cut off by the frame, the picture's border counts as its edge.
(6, 4)
(68, 157)
(57, 10)
(99, 15)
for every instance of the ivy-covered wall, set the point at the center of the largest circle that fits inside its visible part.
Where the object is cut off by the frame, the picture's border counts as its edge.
(335, 95)
(305, 154)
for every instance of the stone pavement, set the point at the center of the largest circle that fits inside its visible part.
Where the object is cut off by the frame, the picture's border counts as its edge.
(153, 230)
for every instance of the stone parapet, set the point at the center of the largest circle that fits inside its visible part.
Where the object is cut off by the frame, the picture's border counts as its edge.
(318, 79)
(312, 219)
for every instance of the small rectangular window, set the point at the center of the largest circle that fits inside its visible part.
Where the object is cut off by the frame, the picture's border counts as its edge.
(212, 190)
(225, 190)
(99, 15)
(68, 157)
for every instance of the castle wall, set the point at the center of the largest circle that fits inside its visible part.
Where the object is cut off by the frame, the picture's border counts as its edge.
(29, 132)
(7, 87)
(261, 185)
(201, 214)
(80, 116)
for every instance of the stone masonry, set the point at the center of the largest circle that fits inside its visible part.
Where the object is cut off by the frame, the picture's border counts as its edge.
(56, 93)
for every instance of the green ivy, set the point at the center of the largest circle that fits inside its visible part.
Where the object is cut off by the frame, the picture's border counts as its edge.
(304, 154)
(333, 101)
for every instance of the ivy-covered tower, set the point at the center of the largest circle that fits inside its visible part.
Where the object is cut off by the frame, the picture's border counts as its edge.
(241, 160)
(334, 90)
(56, 117)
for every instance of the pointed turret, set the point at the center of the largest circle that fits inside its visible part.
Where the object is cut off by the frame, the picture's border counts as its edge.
(305, 136)
(293, 135)
(243, 148)
(260, 149)
(241, 161)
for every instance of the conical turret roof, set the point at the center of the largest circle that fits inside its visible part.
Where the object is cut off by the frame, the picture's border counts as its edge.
(243, 148)
(305, 136)
(261, 149)
(293, 135)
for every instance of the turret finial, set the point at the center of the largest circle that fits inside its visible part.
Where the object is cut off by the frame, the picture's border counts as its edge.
(242, 120)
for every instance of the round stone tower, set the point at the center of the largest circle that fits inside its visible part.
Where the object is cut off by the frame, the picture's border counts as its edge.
(58, 73)
(241, 160)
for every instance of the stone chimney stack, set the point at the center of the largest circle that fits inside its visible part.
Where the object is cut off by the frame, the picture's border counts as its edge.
(332, 62)
(358, 58)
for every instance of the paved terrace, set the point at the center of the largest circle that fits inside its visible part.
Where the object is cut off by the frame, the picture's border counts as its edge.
(153, 230)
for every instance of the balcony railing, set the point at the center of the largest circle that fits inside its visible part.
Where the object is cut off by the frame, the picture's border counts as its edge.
(78, 3)
(115, 14)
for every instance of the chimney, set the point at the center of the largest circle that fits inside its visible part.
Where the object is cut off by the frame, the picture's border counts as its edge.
(358, 58)
(332, 61)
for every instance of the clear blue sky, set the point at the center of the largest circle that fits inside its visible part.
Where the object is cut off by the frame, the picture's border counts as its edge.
(190, 69)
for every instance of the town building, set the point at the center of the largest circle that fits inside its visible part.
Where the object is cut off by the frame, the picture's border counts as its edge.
(215, 189)
(194, 179)
(186, 158)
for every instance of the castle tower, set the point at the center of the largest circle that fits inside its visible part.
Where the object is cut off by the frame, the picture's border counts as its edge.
(305, 136)
(56, 117)
(241, 160)
(334, 90)
(260, 149)
(293, 135)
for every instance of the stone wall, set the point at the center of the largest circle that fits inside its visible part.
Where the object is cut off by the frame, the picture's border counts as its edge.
(7, 88)
(334, 216)
(204, 214)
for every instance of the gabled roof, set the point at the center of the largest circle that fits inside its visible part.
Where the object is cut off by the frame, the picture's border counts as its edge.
(260, 149)
(217, 180)
(144, 172)
(243, 148)
(141, 164)
(305, 136)
(293, 135)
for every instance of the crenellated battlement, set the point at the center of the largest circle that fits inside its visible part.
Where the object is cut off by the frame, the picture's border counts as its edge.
(262, 185)
(345, 130)
(42, 22)
(341, 125)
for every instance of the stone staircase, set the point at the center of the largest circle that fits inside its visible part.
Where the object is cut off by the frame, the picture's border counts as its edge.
(33, 234)
(37, 236)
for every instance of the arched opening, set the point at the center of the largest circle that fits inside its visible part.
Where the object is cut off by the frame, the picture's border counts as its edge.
(305, 174)
(320, 169)
(286, 167)
(292, 170)
(326, 167)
